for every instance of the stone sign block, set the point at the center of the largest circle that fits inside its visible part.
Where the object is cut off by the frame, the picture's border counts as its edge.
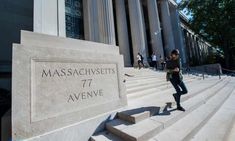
(54, 87)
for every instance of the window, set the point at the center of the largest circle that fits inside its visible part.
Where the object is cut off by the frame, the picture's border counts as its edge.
(74, 19)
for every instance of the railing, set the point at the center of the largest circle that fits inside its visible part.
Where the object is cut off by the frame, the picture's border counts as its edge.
(205, 71)
(229, 72)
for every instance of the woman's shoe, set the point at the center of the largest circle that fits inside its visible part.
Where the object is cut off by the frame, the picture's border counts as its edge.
(181, 109)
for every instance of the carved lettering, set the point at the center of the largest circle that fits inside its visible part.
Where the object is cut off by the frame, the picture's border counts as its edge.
(46, 73)
(84, 95)
(75, 72)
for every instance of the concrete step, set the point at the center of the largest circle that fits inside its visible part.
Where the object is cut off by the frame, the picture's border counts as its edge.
(218, 127)
(168, 84)
(191, 105)
(153, 101)
(223, 82)
(131, 80)
(141, 71)
(167, 117)
(145, 78)
(134, 116)
(105, 136)
(188, 126)
(134, 132)
(144, 82)
(154, 95)
(150, 82)
(128, 75)
(152, 76)
(152, 72)
(144, 87)
(126, 130)
(152, 85)
(231, 134)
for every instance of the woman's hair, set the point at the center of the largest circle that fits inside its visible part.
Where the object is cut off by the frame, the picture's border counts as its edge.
(175, 52)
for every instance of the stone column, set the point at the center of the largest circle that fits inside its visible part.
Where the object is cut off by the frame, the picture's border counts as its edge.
(177, 31)
(192, 45)
(201, 56)
(98, 21)
(187, 46)
(187, 54)
(49, 17)
(138, 33)
(167, 27)
(122, 31)
(206, 48)
(195, 47)
(61, 18)
(106, 22)
(155, 29)
(198, 50)
(45, 18)
(90, 20)
(204, 51)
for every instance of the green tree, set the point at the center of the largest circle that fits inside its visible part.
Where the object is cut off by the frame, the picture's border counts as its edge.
(214, 20)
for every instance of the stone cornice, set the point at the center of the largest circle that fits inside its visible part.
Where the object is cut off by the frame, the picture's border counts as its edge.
(173, 3)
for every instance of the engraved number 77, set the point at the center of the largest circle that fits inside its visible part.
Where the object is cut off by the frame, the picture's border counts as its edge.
(86, 82)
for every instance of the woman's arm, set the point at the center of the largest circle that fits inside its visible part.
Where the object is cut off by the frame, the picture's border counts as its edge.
(172, 70)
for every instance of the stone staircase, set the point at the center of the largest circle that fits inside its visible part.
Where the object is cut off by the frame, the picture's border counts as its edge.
(151, 115)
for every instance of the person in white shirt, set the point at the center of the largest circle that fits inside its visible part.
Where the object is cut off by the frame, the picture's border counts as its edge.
(154, 60)
(140, 60)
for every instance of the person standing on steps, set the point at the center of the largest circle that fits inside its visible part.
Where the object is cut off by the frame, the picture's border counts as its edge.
(154, 60)
(162, 62)
(174, 75)
(140, 60)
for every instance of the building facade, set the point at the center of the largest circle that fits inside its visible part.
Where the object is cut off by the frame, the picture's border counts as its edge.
(197, 49)
(143, 26)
